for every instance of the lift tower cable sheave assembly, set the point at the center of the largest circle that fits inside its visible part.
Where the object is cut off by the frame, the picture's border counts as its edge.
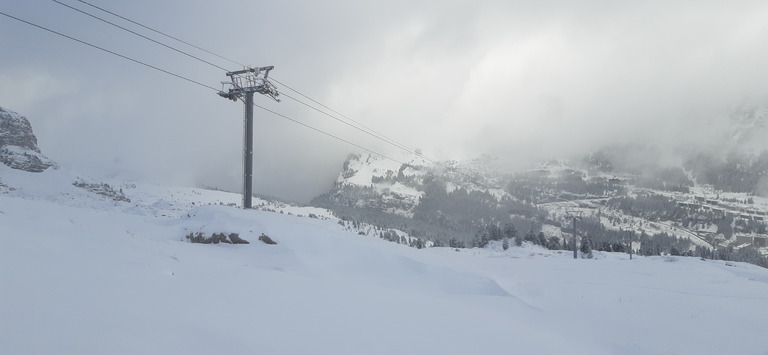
(242, 85)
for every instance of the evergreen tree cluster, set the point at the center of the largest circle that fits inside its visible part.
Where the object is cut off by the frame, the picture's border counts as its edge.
(665, 179)
(737, 173)
(509, 232)
(536, 187)
(652, 207)
(628, 160)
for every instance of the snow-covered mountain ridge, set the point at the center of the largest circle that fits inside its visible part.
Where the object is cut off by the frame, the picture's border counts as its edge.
(465, 203)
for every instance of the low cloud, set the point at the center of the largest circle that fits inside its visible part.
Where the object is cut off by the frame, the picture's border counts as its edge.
(524, 81)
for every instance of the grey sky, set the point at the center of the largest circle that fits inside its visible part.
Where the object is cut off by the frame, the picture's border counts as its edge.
(520, 79)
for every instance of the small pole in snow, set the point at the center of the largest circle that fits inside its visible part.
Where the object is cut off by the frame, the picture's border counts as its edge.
(575, 246)
(572, 215)
(630, 245)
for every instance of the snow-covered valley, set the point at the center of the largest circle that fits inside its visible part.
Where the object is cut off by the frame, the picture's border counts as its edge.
(85, 274)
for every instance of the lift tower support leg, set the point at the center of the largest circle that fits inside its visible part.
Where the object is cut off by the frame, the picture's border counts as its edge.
(248, 152)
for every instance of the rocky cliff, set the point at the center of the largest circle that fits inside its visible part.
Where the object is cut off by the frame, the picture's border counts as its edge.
(18, 144)
(427, 199)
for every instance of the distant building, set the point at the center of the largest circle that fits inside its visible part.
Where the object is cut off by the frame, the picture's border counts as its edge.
(760, 241)
(742, 239)
(688, 205)
(741, 246)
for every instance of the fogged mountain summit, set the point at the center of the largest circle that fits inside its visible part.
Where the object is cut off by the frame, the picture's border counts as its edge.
(709, 203)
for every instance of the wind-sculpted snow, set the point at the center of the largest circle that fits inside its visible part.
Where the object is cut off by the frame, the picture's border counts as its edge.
(84, 274)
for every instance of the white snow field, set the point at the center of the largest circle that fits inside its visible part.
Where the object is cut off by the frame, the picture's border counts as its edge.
(83, 274)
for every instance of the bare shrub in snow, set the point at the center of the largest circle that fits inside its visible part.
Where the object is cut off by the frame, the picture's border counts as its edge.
(267, 240)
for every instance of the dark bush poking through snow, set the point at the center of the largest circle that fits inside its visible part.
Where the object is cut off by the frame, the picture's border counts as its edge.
(235, 238)
(216, 238)
(267, 240)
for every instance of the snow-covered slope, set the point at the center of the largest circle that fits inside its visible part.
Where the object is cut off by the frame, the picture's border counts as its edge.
(87, 273)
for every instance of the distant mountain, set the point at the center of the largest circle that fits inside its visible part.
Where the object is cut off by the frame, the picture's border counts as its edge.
(368, 181)
(18, 144)
(437, 201)
(705, 206)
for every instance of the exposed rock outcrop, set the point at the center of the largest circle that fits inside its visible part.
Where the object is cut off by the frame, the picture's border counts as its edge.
(266, 239)
(18, 144)
(216, 238)
(103, 189)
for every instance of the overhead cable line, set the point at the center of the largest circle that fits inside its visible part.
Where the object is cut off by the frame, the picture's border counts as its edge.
(109, 51)
(195, 82)
(161, 33)
(435, 162)
(360, 128)
(349, 121)
(139, 34)
(327, 134)
(354, 124)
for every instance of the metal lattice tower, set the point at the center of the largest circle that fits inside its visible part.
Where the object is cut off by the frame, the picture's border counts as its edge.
(243, 84)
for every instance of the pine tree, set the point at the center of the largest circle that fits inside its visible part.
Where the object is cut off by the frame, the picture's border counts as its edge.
(543, 240)
(586, 248)
(554, 243)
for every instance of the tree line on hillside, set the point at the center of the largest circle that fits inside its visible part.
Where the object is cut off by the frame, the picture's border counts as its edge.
(636, 161)
(737, 173)
(672, 179)
(465, 211)
(594, 236)
(465, 216)
(655, 207)
(536, 187)
(441, 215)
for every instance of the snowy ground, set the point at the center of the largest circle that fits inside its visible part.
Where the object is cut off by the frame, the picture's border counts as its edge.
(82, 274)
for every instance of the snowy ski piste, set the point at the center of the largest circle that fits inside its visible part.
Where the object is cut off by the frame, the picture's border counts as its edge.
(81, 273)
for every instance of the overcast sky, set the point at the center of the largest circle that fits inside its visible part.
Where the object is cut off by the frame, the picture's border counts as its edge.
(523, 80)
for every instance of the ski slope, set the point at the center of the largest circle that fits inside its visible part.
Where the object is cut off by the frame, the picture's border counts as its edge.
(83, 274)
